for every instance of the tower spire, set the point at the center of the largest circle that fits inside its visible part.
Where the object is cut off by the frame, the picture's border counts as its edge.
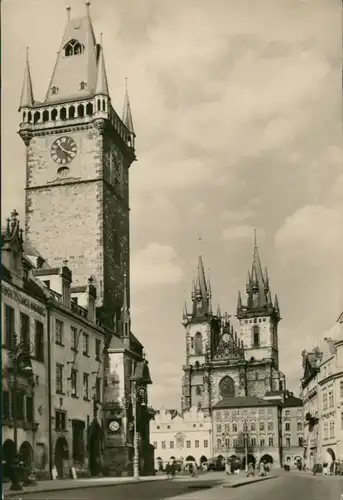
(26, 99)
(127, 115)
(101, 83)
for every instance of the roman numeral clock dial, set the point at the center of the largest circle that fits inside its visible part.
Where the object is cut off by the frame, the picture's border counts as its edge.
(63, 150)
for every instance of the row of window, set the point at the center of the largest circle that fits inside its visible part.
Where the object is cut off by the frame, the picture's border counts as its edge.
(329, 429)
(328, 400)
(75, 340)
(168, 426)
(233, 427)
(24, 332)
(39, 335)
(74, 381)
(188, 444)
(240, 442)
(17, 404)
(237, 413)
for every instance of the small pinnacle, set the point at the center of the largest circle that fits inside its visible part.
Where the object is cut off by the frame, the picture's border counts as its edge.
(68, 9)
(255, 238)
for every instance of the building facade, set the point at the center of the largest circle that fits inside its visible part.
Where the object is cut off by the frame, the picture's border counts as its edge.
(254, 429)
(221, 363)
(322, 393)
(54, 413)
(184, 438)
(78, 153)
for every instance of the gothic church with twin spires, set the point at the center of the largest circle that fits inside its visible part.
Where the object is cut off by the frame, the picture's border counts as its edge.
(221, 363)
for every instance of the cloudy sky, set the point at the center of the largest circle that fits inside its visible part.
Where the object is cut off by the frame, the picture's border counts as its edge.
(237, 109)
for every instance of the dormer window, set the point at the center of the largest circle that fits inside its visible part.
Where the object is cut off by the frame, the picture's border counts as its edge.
(54, 90)
(73, 48)
(83, 86)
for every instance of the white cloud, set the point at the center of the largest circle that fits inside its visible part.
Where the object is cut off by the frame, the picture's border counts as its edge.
(155, 265)
(313, 234)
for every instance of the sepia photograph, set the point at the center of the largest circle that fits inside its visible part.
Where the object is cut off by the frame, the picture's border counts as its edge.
(171, 249)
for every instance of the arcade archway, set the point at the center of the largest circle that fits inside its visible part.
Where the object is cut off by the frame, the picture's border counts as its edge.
(94, 448)
(8, 451)
(190, 458)
(203, 459)
(26, 454)
(330, 455)
(268, 459)
(251, 460)
(61, 455)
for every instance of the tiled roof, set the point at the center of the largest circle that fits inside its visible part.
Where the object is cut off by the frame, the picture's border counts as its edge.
(291, 401)
(70, 71)
(242, 402)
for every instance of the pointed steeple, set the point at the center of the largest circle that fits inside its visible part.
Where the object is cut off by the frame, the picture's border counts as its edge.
(75, 72)
(201, 292)
(26, 99)
(257, 287)
(127, 115)
(101, 83)
(239, 301)
(219, 314)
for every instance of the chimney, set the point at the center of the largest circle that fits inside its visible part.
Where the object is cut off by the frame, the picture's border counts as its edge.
(91, 296)
(91, 299)
(66, 278)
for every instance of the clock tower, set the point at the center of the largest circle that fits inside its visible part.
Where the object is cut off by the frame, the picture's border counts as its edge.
(78, 155)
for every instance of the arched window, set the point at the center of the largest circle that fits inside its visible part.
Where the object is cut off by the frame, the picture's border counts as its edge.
(81, 111)
(227, 387)
(54, 90)
(89, 109)
(45, 116)
(73, 48)
(198, 343)
(72, 112)
(256, 336)
(83, 85)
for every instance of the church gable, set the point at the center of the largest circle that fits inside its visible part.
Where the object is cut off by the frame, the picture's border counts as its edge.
(229, 346)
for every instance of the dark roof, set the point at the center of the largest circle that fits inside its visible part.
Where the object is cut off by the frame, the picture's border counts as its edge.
(292, 401)
(242, 402)
(273, 393)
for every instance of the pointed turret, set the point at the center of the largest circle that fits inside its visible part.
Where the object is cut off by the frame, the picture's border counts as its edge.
(239, 302)
(201, 292)
(75, 72)
(101, 83)
(257, 288)
(127, 115)
(26, 98)
(184, 314)
(219, 314)
(276, 304)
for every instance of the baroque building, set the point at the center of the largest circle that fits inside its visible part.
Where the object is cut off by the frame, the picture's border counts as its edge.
(322, 392)
(221, 363)
(186, 438)
(78, 155)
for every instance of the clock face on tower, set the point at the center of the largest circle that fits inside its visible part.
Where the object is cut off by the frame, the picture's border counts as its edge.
(63, 150)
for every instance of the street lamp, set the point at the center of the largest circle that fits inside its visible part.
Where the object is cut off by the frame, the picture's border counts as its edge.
(137, 395)
(246, 437)
(19, 355)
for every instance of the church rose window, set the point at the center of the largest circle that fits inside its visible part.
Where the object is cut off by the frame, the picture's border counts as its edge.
(227, 387)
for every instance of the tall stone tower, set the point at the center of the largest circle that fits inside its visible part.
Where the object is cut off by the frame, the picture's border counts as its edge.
(259, 319)
(79, 152)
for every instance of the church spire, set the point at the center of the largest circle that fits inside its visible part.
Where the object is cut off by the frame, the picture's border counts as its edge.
(127, 115)
(26, 99)
(75, 72)
(257, 287)
(101, 83)
(201, 293)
